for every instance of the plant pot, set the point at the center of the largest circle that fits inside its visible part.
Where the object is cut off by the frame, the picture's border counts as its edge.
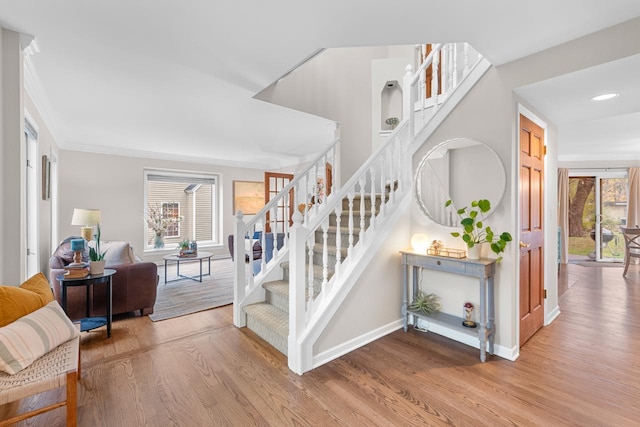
(474, 252)
(96, 267)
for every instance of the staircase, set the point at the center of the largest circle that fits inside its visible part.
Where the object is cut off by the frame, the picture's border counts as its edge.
(336, 232)
(270, 319)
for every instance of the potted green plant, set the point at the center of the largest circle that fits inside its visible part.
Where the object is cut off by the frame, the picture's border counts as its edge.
(184, 246)
(474, 232)
(426, 303)
(96, 257)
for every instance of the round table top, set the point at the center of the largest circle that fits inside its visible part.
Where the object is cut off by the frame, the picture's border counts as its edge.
(176, 257)
(107, 272)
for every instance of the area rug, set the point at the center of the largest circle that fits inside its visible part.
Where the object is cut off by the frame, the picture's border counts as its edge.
(186, 296)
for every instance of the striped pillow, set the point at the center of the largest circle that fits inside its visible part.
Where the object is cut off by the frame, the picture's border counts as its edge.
(34, 335)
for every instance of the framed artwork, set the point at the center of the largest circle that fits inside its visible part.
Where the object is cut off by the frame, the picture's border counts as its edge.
(248, 197)
(46, 178)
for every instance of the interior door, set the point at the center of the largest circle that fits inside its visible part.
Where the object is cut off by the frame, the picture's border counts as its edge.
(531, 229)
(273, 184)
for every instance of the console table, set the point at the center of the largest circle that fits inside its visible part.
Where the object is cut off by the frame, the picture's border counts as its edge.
(482, 269)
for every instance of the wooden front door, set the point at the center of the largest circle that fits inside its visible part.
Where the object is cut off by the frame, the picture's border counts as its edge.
(531, 228)
(273, 184)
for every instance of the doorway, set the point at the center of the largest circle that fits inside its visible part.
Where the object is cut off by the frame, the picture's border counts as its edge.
(31, 139)
(597, 210)
(532, 293)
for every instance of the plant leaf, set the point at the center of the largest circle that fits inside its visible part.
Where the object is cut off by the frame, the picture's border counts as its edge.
(484, 205)
(447, 203)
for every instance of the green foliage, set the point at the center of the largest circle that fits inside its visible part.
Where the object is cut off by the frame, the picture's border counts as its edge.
(474, 231)
(184, 244)
(427, 303)
(95, 254)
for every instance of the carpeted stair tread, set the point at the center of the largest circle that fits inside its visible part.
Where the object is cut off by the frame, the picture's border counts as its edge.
(270, 323)
(277, 294)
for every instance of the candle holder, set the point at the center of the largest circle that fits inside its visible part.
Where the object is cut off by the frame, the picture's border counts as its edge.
(467, 314)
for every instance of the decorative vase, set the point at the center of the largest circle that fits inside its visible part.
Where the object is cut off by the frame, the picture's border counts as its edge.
(96, 267)
(158, 242)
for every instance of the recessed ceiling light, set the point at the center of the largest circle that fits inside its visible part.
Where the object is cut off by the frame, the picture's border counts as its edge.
(604, 97)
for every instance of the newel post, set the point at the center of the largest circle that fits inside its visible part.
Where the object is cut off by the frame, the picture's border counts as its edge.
(239, 281)
(408, 99)
(297, 302)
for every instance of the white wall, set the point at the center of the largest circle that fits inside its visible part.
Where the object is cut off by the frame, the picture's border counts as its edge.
(115, 184)
(374, 303)
(12, 167)
(337, 85)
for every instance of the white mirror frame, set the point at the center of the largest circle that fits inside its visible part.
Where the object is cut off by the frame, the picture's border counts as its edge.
(447, 216)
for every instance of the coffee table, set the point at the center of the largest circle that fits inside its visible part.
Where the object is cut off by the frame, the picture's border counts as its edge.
(178, 259)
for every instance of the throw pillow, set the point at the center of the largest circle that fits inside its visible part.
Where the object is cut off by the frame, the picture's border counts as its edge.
(39, 284)
(34, 335)
(16, 302)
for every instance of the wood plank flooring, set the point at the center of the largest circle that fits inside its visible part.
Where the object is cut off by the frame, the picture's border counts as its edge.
(199, 370)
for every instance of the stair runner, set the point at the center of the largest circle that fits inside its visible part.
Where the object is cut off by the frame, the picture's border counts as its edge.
(270, 319)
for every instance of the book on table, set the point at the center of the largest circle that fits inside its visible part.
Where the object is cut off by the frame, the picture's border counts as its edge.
(77, 271)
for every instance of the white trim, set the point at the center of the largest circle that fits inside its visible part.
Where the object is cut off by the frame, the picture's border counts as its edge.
(472, 341)
(355, 343)
(553, 315)
(216, 208)
(34, 89)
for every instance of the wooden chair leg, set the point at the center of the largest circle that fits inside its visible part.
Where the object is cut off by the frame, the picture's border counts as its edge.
(626, 265)
(72, 399)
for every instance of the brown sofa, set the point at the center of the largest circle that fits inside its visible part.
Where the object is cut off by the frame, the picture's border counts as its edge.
(134, 284)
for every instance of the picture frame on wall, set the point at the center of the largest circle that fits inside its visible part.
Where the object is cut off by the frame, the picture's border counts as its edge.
(248, 197)
(46, 178)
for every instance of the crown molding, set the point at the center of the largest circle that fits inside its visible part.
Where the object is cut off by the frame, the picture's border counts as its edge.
(155, 155)
(34, 89)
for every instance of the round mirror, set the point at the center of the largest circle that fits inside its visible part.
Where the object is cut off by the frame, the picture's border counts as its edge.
(461, 170)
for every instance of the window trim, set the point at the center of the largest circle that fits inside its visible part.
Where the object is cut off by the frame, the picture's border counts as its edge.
(216, 198)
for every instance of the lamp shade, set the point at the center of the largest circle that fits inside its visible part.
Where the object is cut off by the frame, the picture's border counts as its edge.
(86, 217)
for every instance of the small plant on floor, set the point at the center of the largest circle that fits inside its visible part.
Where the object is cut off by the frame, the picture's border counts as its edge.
(427, 303)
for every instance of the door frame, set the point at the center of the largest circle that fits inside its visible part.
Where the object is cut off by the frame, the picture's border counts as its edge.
(550, 217)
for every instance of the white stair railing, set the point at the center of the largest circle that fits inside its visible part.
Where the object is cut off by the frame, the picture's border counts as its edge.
(306, 192)
(384, 179)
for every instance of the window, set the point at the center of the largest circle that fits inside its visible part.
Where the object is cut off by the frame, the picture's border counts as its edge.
(188, 204)
(171, 211)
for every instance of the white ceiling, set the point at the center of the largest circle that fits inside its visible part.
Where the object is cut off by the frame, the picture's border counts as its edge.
(175, 79)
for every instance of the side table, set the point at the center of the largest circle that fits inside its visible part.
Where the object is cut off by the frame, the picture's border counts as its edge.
(89, 323)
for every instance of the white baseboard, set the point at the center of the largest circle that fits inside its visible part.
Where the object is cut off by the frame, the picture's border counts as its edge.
(355, 343)
(553, 315)
(498, 350)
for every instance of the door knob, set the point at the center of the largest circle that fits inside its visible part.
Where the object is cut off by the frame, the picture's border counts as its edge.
(524, 245)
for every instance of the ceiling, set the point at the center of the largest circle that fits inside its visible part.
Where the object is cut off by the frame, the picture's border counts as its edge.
(176, 79)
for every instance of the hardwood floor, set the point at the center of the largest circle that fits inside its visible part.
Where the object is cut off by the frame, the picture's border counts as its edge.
(199, 370)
